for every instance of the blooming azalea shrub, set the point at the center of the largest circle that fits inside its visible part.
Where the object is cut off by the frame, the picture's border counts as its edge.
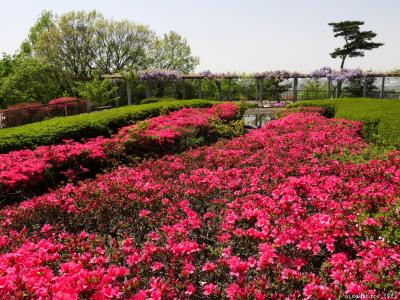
(67, 102)
(94, 124)
(175, 132)
(67, 106)
(27, 172)
(269, 215)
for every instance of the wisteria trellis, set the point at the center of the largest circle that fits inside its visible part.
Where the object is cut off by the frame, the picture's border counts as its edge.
(324, 72)
(339, 77)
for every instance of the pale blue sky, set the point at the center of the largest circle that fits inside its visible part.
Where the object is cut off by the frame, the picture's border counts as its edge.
(233, 35)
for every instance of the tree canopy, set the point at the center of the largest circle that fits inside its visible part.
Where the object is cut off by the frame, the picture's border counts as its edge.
(356, 41)
(173, 52)
(85, 43)
(61, 50)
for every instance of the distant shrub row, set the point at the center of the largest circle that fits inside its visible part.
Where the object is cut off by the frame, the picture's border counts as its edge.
(89, 125)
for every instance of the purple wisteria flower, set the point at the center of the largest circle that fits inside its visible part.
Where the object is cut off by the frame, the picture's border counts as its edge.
(342, 75)
(323, 72)
(278, 75)
(210, 75)
(158, 74)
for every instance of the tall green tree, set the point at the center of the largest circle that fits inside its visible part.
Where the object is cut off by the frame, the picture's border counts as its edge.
(7, 63)
(43, 24)
(172, 52)
(85, 43)
(356, 41)
(122, 46)
(70, 44)
(29, 80)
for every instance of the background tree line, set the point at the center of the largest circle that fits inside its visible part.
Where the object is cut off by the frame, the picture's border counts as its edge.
(61, 54)
(65, 56)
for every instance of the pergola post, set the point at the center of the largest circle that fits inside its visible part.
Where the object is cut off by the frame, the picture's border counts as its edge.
(365, 86)
(295, 84)
(183, 89)
(329, 87)
(382, 92)
(260, 89)
(218, 82)
(257, 89)
(174, 89)
(148, 89)
(229, 88)
(200, 88)
(338, 88)
(128, 92)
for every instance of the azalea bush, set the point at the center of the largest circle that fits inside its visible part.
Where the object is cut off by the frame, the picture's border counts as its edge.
(67, 106)
(27, 172)
(269, 215)
(177, 131)
(94, 124)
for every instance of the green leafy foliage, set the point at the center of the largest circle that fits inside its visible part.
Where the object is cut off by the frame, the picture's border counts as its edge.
(370, 128)
(150, 100)
(29, 80)
(356, 87)
(356, 41)
(94, 124)
(314, 89)
(97, 91)
(229, 130)
(172, 52)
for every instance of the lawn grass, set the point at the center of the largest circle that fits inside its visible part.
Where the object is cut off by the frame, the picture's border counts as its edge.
(387, 111)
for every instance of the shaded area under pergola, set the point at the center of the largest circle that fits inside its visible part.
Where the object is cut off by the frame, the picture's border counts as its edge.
(115, 78)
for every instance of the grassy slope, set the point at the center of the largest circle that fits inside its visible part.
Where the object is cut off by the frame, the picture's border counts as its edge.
(388, 111)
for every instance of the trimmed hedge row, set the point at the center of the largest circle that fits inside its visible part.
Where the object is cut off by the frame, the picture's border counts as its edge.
(94, 124)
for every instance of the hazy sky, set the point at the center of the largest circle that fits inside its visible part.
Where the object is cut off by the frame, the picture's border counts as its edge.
(233, 35)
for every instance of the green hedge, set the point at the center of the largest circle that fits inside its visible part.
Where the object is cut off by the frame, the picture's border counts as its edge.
(151, 100)
(88, 125)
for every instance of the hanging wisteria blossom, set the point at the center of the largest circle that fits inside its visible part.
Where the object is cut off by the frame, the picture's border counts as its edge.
(323, 72)
(158, 74)
(278, 75)
(210, 75)
(346, 74)
(342, 75)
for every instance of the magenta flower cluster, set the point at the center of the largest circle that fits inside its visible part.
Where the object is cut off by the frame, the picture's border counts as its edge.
(269, 215)
(23, 172)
